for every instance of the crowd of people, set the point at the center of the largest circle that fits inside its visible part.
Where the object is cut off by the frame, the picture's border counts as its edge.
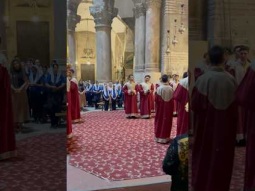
(223, 105)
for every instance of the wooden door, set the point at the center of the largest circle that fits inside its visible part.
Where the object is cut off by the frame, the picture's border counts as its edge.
(88, 72)
(33, 41)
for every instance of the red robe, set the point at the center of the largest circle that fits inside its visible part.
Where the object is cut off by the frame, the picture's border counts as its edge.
(164, 113)
(215, 123)
(146, 99)
(75, 99)
(69, 115)
(238, 71)
(245, 96)
(181, 95)
(130, 102)
(7, 134)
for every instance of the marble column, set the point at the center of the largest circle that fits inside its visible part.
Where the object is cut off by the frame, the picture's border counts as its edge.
(139, 65)
(72, 20)
(103, 12)
(152, 42)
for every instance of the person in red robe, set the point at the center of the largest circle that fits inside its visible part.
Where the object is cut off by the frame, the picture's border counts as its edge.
(130, 90)
(238, 69)
(245, 97)
(181, 95)
(7, 132)
(202, 67)
(146, 96)
(215, 121)
(75, 99)
(164, 111)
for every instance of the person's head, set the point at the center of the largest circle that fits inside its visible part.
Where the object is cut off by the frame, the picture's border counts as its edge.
(110, 84)
(206, 57)
(37, 62)
(244, 52)
(164, 78)
(131, 77)
(236, 51)
(54, 62)
(44, 69)
(16, 65)
(147, 78)
(216, 55)
(69, 73)
(97, 82)
(185, 75)
(227, 53)
(55, 68)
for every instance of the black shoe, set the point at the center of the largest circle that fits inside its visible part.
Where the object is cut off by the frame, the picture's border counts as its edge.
(241, 143)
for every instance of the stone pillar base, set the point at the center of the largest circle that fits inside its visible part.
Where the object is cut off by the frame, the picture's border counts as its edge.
(139, 76)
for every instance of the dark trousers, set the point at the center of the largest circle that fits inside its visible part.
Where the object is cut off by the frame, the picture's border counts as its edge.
(113, 104)
(96, 99)
(106, 105)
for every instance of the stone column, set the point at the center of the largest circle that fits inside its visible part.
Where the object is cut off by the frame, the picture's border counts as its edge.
(103, 12)
(152, 42)
(139, 66)
(72, 20)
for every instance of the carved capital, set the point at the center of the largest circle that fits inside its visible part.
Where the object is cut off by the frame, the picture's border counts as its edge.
(139, 10)
(152, 4)
(72, 21)
(103, 15)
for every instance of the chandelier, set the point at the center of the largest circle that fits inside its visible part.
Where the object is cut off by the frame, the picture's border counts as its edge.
(88, 51)
(175, 41)
(182, 27)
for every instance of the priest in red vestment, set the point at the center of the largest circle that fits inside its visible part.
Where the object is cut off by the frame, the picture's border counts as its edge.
(130, 90)
(75, 99)
(7, 133)
(164, 111)
(246, 98)
(215, 122)
(181, 95)
(146, 96)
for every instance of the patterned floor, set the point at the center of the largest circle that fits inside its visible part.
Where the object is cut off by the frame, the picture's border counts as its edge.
(40, 165)
(116, 148)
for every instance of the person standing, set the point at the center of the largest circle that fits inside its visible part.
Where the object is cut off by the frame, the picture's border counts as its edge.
(83, 102)
(146, 91)
(19, 84)
(106, 97)
(75, 99)
(175, 163)
(215, 121)
(130, 90)
(164, 111)
(181, 95)
(119, 97)
(96, 94)
(89, 93)
(113, 94)
(69, 129)
(7, 132)
(239, 69)
(202, 67)
(245, 97)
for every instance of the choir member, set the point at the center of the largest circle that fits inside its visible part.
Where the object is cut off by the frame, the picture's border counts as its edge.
(146, 93)
(119, 96)
(245, 97)
(215, 122)
(238, 69)
(96, 94)
(19, 84)
(7, 133)
(75, 99)
(164, 111)
(113, 95)
(181, 95)
(106, 97)
(56, 88)
(89, 93)
(130, 90)
(202, 67)
(81, 88)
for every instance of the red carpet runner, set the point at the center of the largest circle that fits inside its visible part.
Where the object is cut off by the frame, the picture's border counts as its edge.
(115, 148)
(40, 165)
